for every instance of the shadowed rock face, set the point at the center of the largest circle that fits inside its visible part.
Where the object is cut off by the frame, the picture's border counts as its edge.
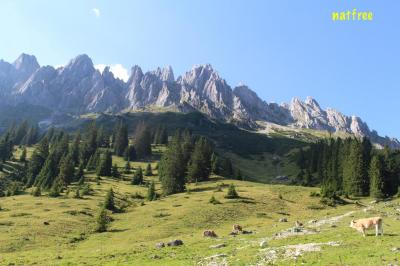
(79, 88)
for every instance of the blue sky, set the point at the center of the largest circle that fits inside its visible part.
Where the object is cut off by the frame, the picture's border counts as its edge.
(280, 48)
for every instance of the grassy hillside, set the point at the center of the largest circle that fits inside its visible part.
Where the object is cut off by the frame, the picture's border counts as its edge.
(69, 239)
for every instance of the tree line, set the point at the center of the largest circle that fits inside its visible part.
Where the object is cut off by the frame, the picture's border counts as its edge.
(349, 167)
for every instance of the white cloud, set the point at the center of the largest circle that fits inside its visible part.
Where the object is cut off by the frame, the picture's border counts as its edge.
(118, 70)
(96, 12)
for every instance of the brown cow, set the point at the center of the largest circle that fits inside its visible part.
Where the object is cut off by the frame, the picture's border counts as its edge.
(209, 233)
(363, 224)
(237, 227)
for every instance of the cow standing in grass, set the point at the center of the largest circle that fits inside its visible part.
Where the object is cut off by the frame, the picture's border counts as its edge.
(364, 224)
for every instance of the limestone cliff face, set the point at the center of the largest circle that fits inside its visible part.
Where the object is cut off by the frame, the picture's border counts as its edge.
(79, 88)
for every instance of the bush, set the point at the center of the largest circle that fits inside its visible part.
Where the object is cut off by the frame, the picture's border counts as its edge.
(214, 201)
(103, 220)
(232, 194)
(37, 192)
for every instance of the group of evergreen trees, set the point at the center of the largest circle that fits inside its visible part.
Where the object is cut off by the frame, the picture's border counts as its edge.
(349, 167)
(187, 159)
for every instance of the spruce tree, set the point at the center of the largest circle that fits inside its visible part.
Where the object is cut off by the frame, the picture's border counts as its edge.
(232, 194)
(105, 164)
(142, 141)
(148, 171)
(67, 169)
(127, 168)
(80, 173)
(215, 164)
(102, 221)
(120, 138)
(48, 173)
(171, 169)
(376, 171)
(22, 158)
(130, 153)
(199, 168)
(137, 178)
(114, 171)
(109, 203)
(151, 192)
(74, 151)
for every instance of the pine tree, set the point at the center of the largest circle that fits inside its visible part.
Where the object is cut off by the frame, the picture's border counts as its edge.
(171, 169)
(376, 171)
(22, 158)
(232, 194)
(142, 141)
(74, 151)
(227, 168)
(199, 168)
(37, 161)
(151, 192)
(105, 164)
(114, 172)
(137, 178)
(239, 175)
(109, 200)
(80, 173)
(67, 169)
(120, 138)
(215, 164)
(89, 146)
(55, 190)
(148, 171)
(48, 173)
(130, 153)
(127, 168)
(102, 221)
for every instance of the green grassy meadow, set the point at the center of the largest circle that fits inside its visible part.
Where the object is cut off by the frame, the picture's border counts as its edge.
(69, 237)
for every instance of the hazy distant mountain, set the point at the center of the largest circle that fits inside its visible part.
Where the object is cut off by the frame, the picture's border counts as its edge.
(79, 88)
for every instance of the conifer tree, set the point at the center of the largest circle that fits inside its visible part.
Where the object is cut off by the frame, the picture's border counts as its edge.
(22, 158)
(142, 141)
(36, 192)
(48, 173)
(376, 171)
(127, 168)
(137, 177)
(171, 169)
(102, 221)
(130, 153)
(151, 192)
(74, 151)
(104, 164)
(120, 138)
(148, 171)
(114, 171)
(215, 164)
(199, 168)
(80, 173)
(109, 203)
(232, 194)
(67, 169)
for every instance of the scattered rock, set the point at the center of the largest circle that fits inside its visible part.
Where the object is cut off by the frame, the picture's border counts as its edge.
(174, 243)
(312, 221)
(216, 256)
(233, 233)
(46, 223)
(160, 245)
(263, 244)
(333, 225)
(247, 232)
(282, 220)
(218, 246)
(298, 224)
(155, 257)
(396, 249)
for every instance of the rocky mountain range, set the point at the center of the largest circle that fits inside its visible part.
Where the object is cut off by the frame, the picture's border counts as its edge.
(79, 88)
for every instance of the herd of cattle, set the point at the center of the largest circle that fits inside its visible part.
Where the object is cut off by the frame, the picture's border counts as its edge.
(360, 225)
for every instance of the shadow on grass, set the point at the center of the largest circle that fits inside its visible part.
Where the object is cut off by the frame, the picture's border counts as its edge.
(117, 230)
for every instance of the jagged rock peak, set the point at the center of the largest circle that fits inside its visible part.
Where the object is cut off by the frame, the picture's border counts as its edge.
(26, 63)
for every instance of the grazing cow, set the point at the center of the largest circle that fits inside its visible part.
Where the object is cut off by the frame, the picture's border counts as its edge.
(209, 233)
(363, 224)
(237, 227)
(298, 224)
